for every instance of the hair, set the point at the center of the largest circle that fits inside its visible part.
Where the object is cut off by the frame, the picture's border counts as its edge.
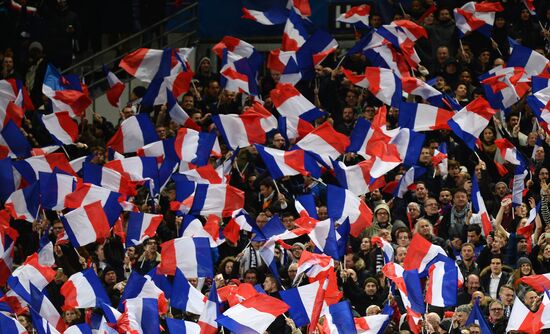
(221, 266)
(468, 244)
(453, 164)
(474, 228)
(460, 190)
(506, 286)
(400, 230)
(423, 220)
(540, 255)
(251, 271)
(464, 308)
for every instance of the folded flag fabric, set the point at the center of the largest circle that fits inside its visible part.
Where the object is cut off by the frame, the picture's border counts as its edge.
(134, 133)
(271, 17)
(190, 255)
(84, 289)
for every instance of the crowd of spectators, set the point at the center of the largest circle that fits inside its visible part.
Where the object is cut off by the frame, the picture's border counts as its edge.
(438, 207)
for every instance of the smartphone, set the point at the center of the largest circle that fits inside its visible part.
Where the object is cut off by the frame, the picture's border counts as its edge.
(547, 235)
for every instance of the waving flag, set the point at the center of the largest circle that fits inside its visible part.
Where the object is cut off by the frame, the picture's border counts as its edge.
(442, 290)
(374, 324)
(84, 289)
(504, 86)
(420, 254)
(314, 266)
(357, 178)
(116, 87)
(323, 235)
(24, 203)
(271, 17)
(184, 327)
(192, 227)
(44, 307)
(238, 74)
(410, 177)
(408, 284)
(360, 138)
(53, 189)
(305, 303)
(469, 122)
(316, 48)
(415, 86)
(86, 225)
(31, 273)
(136, 169)
(476, 317)
(509, 152)
(295, 32)
(476, 16)
(538, 282)
(134, 132)
(177, 114)
(408, 144)
(206, 199)
(423, 117)
(143, 63)
(239, 48)
(343, 204)
(533, 62)
(108, 178)
(325, 143)
(338, 318)
(518, 185)
(205, 174)
(86, 193)
(356, 15)
(61, 127)
(13, 142)
(142, 287)
(251, 127)
(193, 146)
(385, 246)
(143, 312)
(286, 63)
(141, 226)
(381, 82)
(284, 163)
(66, 92)
(190, 255)
(212, 310)
(479, 206)
(267, 253)
(11, 325)
(253, 315)
(291, 104)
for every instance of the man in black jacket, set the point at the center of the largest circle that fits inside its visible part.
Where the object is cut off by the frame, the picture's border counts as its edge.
(495, 278)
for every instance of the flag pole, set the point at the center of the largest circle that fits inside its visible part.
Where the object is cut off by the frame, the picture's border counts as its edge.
(499, 52)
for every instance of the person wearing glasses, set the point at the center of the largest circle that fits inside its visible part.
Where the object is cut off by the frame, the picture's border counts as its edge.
(497, 320)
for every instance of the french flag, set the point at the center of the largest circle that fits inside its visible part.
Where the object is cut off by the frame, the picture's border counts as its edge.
(408, 284)
(285, 62)
(538, 282)
(62, 128)
(66, 92)
(190, 255)
(386, 247)
(316, 48)
(143, 63)
(140, 227)
(292, 104)
(134, 132)
(356, 178)
(13, 142)
(408, 144)
(192, 227)
(184, 327)
(212, 310)
(325, 143)
(415, 86)
(343, 204)
(251, 127)
(503, 87)
(11, 325)
(156, 91)
(314, 266)
(53, 189)
(374, 324)
(533, 62)
(239, 48)
(24, 203)
(479, 206)
(139, 286)
(9, 183)
(11, 112)
(440, 159)
(305, 303)
(143, 313)
(476, 317)
(78, 329)
(31, 273)
(286, 163)
(271, 17)
(295, 33)
(324, 237)
(108, 178)
(469, 122)
(187, 298)
(44, 307)
(137, 169)
(86, 193)
(176, 112)
(420, 254)
(14, 94)
(253, 315)
(356, 15)
(205, 174)
(294, 128)
(522, 319)
(518, 185)
(423, 117)
(476, 16)
(206, 199)
(411, 176)
(338, 318)
(442, 290)
(161, 149)
(267, 253)
(193, 146)
(8, 236)
(360, 138)
(86, 224)
(237, 74)
(116, 87)
(84, 289)
(381, 82)
(509, 152)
